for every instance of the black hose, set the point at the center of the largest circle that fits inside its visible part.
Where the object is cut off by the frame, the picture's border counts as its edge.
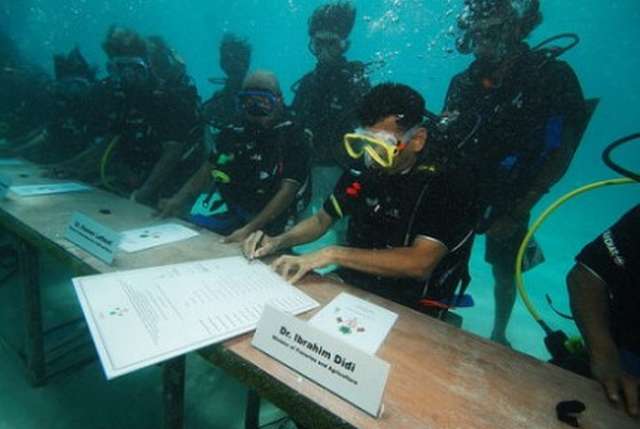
(606, 157)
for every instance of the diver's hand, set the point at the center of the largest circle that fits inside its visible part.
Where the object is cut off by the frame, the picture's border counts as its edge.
(294, 268)
(56, 173)
(259, 244)
(237, 236)
(608, 372)
(168, 207)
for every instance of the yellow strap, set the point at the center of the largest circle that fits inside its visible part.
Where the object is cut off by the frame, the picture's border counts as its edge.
(336, 206)
(106, 157)
(220, 176)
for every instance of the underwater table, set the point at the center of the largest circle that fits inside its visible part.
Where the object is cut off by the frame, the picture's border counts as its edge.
(37, 225)
(441, 377)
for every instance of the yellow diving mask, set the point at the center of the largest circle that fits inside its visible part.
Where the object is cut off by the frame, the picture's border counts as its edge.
(381, 147)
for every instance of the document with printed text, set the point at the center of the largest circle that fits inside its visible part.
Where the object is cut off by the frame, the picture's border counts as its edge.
(136, 240)
(143, 317)
(359, 323)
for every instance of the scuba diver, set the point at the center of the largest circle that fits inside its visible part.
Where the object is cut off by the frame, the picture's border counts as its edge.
(523, 114)
(26, 104)
(221, 110)
(411, 223)
(326, 98)
(151, 143)
(258, 175)
(66, 133)
(604, 290)
(168, 67)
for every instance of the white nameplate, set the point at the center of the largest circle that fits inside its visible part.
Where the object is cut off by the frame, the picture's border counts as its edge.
(5, 185)
(345, 370)
(97, 239)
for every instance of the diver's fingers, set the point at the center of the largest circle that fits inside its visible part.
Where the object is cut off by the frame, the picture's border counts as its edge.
(611, 386)
(302, 271)
(266, 249)
(630, 388)
(278, 264)
(253, 243)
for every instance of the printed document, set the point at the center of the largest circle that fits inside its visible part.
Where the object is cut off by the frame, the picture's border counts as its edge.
(143, 317)
(357, 322)
(136, 240)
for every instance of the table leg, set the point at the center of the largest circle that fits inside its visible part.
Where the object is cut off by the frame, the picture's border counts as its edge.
(34, 334)
(173, 378)
(252, 412)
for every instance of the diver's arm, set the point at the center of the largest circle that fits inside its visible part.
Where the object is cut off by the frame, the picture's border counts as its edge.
(200, 180)
(278, 204)
(551, 172)
(274, 208)
(415, 262)
(171, 152)
(33, 142)
(258, 244)
(590, 307)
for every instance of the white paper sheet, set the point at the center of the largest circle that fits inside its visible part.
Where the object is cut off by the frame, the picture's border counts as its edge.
(136, 240)
(48, 189)
(8, 162)
(142, 317)
(357, 322)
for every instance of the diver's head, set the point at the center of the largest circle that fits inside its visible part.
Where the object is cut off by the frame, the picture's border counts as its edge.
(74, 76)
(391, 132)
(128, 58)
(235, 57)
(494, 29)
(329, 29)
(260, 99)
(165, 62)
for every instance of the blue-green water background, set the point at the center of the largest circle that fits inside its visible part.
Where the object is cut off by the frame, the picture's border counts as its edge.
(411, 35)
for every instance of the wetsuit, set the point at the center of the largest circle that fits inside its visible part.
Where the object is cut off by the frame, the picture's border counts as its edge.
(520, 148)
(221, 109)
(68, 132)
(144, 120)
(614, 258)
(325, 102)
(392, 211)
(249, 166)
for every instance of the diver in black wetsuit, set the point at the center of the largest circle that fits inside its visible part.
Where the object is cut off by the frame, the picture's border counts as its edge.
(326, 98)
(66, 133)
(604, 287)
(150, 122)
(235, 59)
(529, 114)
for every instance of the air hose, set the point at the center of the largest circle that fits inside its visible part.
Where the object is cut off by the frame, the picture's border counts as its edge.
(631, 178)
(106, 157)
(519, 278)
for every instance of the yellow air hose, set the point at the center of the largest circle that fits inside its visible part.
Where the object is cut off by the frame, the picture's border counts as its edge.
(106, 157)
(519, 278)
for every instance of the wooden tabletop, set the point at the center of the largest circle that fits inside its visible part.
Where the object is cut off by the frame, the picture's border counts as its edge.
(42, 220)
(441, 377)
